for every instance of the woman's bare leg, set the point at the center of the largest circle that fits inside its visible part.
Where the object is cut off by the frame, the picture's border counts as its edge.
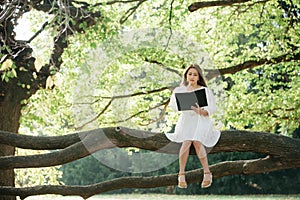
(201, 153)
(183, 157)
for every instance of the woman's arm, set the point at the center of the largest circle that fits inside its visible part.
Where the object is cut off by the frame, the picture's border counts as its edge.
(173, 104)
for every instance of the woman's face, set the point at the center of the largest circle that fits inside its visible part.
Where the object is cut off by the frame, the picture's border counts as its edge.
(192, 76)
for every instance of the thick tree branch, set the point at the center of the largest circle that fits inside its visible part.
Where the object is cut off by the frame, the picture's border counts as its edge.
(230, 141)
(212, 73)
(39, 143)
(222, 169)
(205, 4)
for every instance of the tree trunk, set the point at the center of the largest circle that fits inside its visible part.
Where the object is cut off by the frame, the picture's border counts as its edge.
(10, 113)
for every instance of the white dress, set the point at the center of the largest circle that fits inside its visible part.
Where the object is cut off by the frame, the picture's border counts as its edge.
(192, 126)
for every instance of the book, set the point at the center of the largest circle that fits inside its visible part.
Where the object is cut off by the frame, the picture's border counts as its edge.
(186, 100)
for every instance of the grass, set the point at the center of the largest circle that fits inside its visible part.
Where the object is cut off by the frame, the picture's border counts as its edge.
(169, 197)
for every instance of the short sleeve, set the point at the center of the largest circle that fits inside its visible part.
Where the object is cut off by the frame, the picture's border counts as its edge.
(211, 108)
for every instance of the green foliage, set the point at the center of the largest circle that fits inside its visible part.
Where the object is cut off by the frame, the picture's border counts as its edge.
(267, 103)
(9, 70)
(265, 98)
(36, 176)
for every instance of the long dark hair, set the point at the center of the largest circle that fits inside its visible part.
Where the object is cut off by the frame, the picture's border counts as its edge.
(201, 81)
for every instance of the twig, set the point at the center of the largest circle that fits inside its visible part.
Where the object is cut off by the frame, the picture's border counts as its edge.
(170, 24)
(119, 97)
(130, 12)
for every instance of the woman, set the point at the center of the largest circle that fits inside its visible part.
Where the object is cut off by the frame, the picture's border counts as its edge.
(194, 127)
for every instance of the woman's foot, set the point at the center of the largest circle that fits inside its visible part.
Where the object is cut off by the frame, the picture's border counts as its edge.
(181, 181)
(207, 180)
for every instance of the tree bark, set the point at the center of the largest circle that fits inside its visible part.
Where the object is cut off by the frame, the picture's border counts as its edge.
(212, 73)
(29, 80)
(205, 4)
(276, 146)
(256, 166)
(9, 116)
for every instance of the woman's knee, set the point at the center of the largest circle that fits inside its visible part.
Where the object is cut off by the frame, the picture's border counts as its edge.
(197, 144)
(186, 144)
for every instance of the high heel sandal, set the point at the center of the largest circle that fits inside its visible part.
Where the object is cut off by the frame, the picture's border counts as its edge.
(206, 183)
(181, 184)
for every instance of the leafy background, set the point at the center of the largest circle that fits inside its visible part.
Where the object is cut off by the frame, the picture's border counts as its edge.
(265, 98)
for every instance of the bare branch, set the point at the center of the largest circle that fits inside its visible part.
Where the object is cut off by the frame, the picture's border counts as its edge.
(8, 10)
(144, 111)
(131, 11)
(38, 32)
(97, 116)
(131, 95)
(164, 66)
(170, 23)
(212, 73)
(205, 4)
(161, 115)
(248, 141)
(119, 97)
(219, 170)
(115, 1)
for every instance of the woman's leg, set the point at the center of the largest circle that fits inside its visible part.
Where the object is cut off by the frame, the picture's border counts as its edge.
(201, 153)
(183, 157)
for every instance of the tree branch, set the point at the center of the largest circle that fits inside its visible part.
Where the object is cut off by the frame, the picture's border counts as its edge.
(65, 29)
(120, 97)
(115, 2)
(39, 143)
(212, 73)
(205, 4)
(38, 32)
(9, 8)
(164, 66)
(147, 110)
(160, 117)
(131, 11)
(219, 170)
(230, 141)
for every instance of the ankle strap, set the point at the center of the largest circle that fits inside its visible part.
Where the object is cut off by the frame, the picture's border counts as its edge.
(207, 172)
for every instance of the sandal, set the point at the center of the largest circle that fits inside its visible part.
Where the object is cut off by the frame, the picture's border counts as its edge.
(206, 183)
(181, 184)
